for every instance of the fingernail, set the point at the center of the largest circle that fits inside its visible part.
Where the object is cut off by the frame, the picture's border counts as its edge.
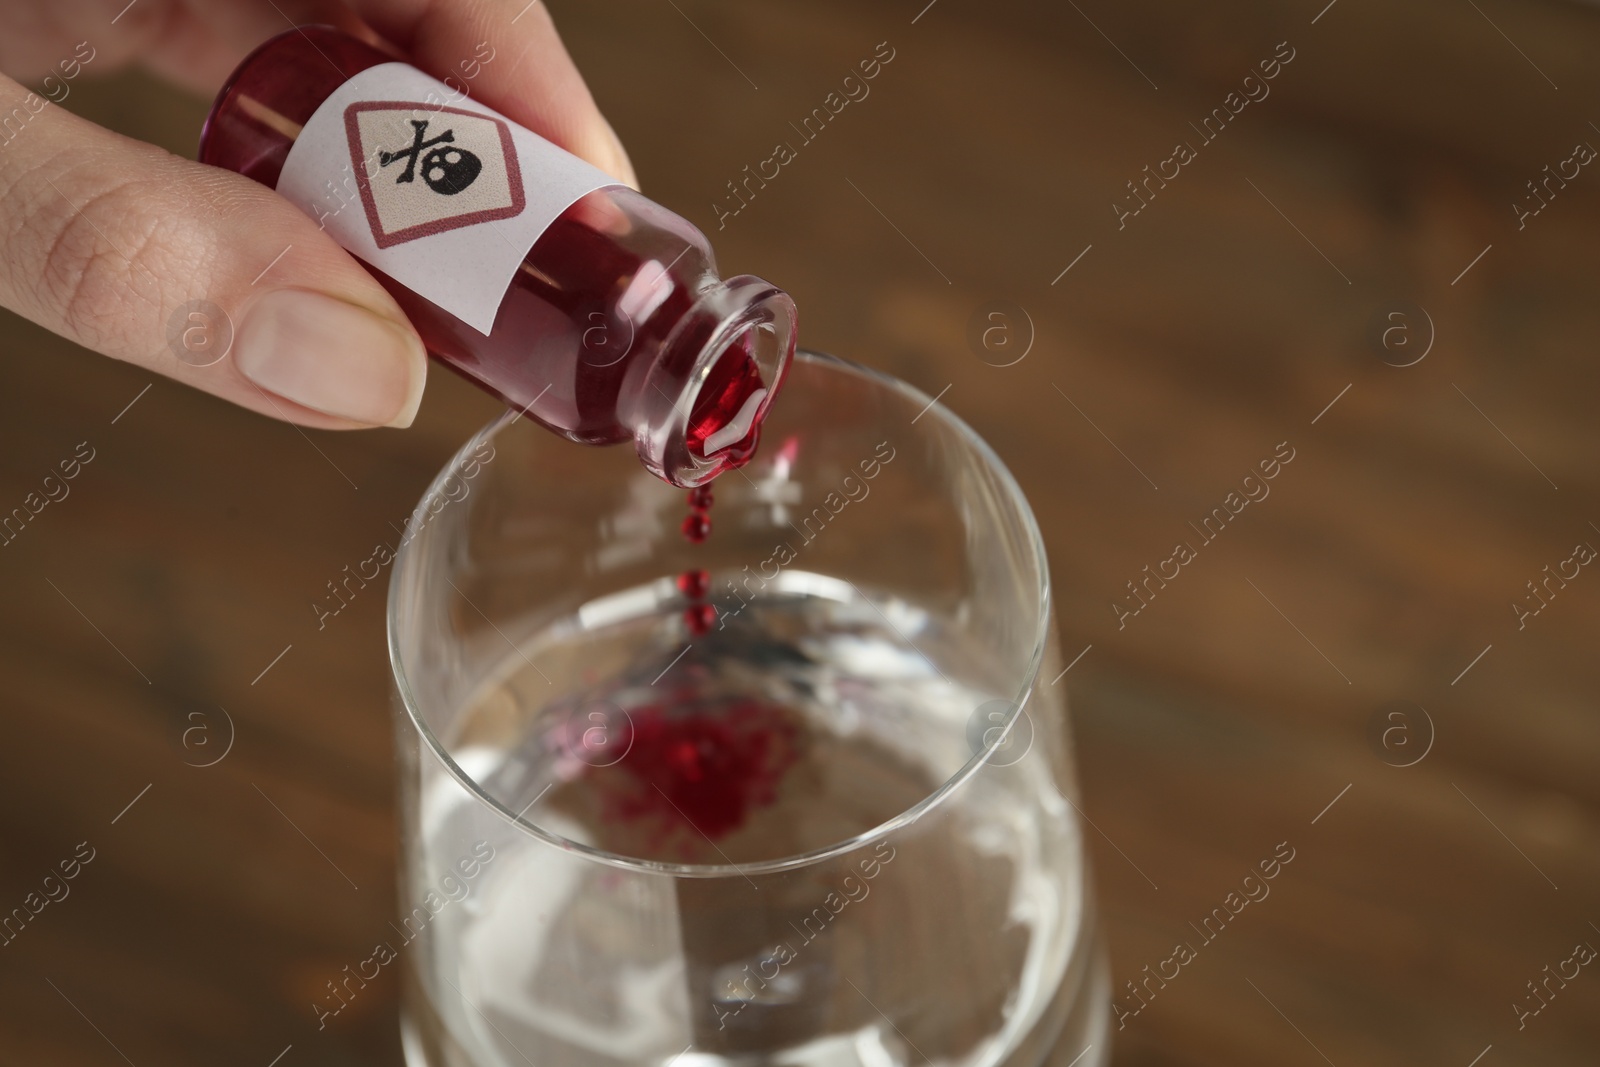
(332, 357)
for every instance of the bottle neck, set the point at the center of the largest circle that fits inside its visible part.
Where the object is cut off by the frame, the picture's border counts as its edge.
(696, 411)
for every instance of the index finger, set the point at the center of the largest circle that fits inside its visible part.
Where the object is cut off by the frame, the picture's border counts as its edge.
(507, 54)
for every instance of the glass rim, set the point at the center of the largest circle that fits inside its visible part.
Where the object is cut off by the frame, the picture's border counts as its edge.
(965, 433)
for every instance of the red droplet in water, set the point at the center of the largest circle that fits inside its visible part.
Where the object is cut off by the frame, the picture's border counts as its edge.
(694, 584)
(700, 498)
(710, 769)
(697, 527)
(699, 618)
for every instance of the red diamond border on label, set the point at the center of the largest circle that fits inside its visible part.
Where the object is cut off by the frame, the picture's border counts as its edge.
(363, 180)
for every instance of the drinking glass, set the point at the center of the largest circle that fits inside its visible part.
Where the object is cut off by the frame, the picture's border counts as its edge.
(836, 829)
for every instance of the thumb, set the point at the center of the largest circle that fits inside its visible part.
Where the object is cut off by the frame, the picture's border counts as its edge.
(194, 272)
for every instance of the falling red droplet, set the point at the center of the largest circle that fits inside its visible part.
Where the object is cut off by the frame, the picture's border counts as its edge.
(699, 618)
(697, 527)
(694, 584)
(700, 498)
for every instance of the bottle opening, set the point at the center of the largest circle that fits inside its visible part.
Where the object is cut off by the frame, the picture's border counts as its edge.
(731, 400)
(716, 419)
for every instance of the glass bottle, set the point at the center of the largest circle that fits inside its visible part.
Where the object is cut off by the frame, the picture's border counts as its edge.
(615, 324)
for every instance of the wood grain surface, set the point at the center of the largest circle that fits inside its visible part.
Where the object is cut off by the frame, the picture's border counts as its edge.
(1242, 308)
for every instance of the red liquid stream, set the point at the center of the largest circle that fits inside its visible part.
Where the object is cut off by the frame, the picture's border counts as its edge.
(699, 616)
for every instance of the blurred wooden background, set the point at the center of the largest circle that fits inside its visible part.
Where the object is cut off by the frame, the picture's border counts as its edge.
(1222, 320)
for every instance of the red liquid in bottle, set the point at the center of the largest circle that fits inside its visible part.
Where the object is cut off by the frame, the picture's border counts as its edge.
(616, 327)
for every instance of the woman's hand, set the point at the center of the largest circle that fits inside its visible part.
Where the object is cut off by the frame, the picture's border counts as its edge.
(103, 238)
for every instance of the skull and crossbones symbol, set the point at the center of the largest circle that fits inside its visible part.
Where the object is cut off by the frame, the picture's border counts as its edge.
(446, 168)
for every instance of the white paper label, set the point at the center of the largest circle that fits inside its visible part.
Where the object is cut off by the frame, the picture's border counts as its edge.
(445, 199)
